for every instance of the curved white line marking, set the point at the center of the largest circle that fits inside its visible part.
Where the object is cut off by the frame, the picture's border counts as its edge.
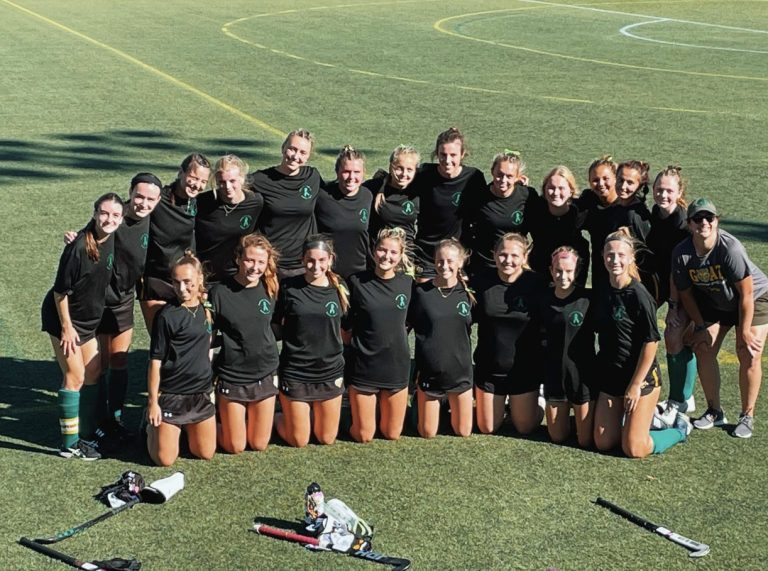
(625, 32)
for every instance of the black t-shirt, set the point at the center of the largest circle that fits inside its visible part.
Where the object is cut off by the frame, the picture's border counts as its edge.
(665, 234)
(549, 232)
(84, 282)
(218, 228)
(626, 320)
(289, 206)
(441, 208)
(243, 316)
(488, 217)
(171, 232)
(400, 209)
(181, 340)
(441, 321)
(311, 318)
(568, 331)
(131, 242)
(379, 353)
(345, 219)
(507, 319)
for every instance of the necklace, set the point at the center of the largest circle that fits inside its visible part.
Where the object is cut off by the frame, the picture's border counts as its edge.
(191, 312)
(450, 291)
(229, 209)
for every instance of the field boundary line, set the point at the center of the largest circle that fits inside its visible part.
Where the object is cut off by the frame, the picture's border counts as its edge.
(162, 74)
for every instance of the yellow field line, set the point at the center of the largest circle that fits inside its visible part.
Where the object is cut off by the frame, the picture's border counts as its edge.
(145, 66)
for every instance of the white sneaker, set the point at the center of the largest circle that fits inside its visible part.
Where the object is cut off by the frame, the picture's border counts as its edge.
(665, 417)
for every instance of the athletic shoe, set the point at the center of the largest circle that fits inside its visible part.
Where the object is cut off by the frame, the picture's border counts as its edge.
(82, 449)
(683, 424)
(666, 416)
(744, 427)
(709, 419)
(690, 405)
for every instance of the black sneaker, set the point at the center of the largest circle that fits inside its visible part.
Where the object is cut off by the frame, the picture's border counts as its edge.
(82, 449)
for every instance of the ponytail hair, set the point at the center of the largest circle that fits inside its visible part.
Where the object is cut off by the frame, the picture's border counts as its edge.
(519, 239)
(256, 240)
(303, 134)
(603, 161)
(624, 235)
(398, 152)
(91, 240)
(682, 184)
(348, 153)
(512, 157)
(398, 234)
(642, 167)
(324, 242)
(464, 254)
(189, 259)
(451, 135)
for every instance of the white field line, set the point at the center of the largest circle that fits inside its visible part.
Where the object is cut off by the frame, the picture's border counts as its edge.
(625, 32)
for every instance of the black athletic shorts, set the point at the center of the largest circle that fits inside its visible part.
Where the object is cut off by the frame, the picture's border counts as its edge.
(51, 323)
(248, 392)
(616, 380)
(368, 389)
(436, 392)
(573, 391)
(118, 317)
(181, 410)
(155, 289)
(312, 392)
(506, 384)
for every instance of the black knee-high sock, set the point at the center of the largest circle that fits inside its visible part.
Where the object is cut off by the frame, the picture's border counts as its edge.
(101, 410)
(118, 388)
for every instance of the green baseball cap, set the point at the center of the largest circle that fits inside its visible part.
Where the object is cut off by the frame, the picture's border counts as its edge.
(701, 205)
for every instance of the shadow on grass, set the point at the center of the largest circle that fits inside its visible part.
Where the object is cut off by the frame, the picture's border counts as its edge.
(61, 155)
(748, 230)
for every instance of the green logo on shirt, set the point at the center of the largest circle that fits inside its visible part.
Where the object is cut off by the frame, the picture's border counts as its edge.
(576, 318)
(364, 215)
(144, 240)
(518, 304)
(401, 301)
(110, 261)
(619, 313)
(463, 308)
(245, 221)
(306, 192)
(408, 207)
(456, 198)
(517, 217)
(264, 306)
(331, 309)
(192, 207)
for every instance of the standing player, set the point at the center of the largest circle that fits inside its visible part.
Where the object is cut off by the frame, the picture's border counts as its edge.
(310, 309)
(224, 216)
(290, 192)
(506, 205)
(246, 366)
(440, 314)
(508, 353)
(558, 223)
(569, 350)
(720, 288)
(631, 379)
(171, 233)
(179, 375)
(343, 211)
(71, 313)
(669, 227)
(443, 188)
(379, 357)
(395, 204)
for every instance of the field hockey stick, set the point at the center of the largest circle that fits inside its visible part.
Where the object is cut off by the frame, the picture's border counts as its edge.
(83, 526)
(398, 563)
(696, 548)
(116, 564)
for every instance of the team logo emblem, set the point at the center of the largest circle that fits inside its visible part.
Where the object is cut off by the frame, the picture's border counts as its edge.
(305, 192)
(110, 261)
(518, 304)
(192, 207)
(456, 198)
(408, 207)
(576, 318)
(208, 326)
(463, 308)
(264, 306)
(245, 221)
(144, 240)
(517, 217)
(401, 301)
(331, 309)
(619, 313)
(364, 215)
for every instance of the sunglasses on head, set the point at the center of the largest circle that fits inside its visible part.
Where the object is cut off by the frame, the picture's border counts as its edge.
(699, 218)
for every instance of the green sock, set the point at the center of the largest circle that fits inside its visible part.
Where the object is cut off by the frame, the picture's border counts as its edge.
(102, 396)
(89, 396)
(118, 388)
(682, 374)
(664, 439)
(69, 407)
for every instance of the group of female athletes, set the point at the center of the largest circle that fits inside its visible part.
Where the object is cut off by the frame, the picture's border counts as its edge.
(340, 272)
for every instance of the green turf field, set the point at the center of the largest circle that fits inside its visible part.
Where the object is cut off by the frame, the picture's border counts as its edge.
(93, 92)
